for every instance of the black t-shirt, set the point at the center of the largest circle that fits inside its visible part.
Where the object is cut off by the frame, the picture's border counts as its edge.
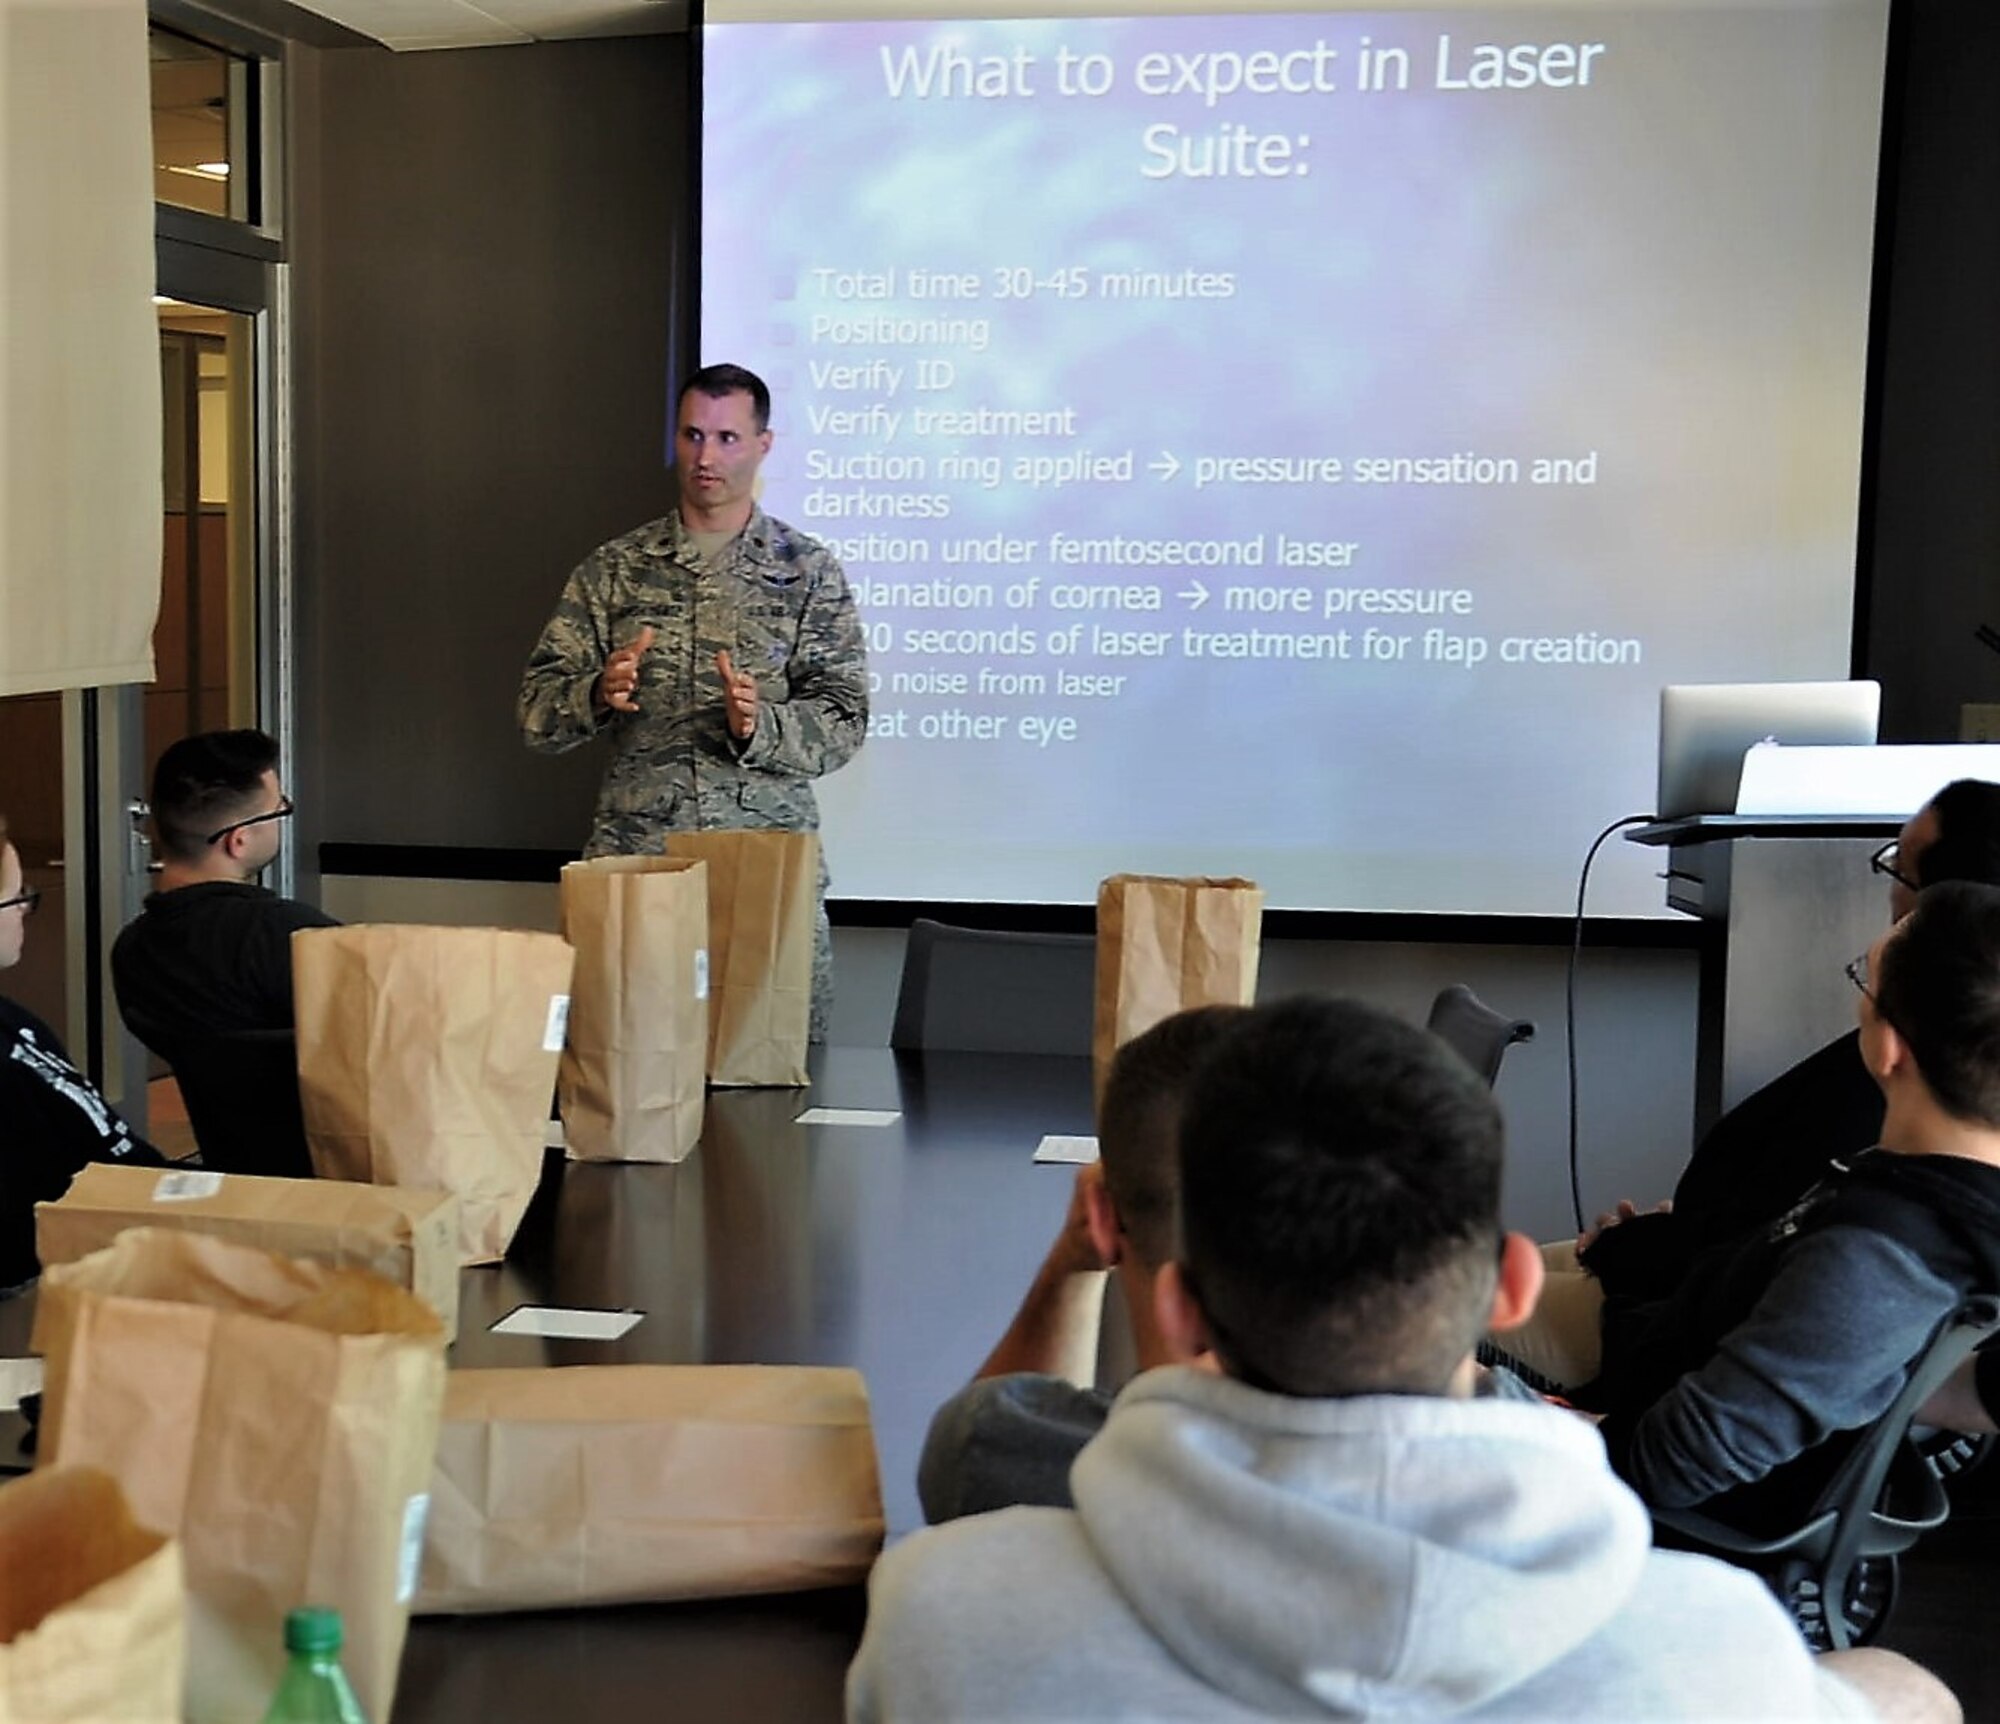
(52, 1121)
(209, 960)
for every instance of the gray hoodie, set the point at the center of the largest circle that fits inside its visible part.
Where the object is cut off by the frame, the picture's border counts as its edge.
(1237, 1554)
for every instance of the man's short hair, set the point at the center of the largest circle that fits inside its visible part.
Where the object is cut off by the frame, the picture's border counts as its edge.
(1967, 846)
(205, 782)
(1138, 1124)
(1938, 986)
(716, 381)
(1340, 1201)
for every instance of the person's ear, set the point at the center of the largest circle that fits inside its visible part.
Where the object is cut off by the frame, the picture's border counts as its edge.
(1100, 1215)
(1519, 1284)
(1177, 1314)
(1883, 1050)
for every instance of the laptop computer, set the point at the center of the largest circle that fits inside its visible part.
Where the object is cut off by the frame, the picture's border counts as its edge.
(1705, 729)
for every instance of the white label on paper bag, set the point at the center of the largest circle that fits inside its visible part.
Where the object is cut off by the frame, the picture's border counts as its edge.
(410, 1559)
(701, 972)
(558, 1026)
(1076, 1150)
(186, 1187)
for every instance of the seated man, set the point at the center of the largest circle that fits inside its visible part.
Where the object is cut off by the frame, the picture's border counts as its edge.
(52, 1118)
(1736, 1392)
(1010, 1435)
(1328, 1522)
(210, 954)
(1757, 1160)
(209, 958)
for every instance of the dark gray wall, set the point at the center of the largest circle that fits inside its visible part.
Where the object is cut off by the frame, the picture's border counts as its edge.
(483, 245)
(1936, 538)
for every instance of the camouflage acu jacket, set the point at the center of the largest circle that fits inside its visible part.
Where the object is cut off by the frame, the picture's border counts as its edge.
(779, 604)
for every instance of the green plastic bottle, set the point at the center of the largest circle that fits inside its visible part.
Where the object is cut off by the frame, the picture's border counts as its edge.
(314, 1689)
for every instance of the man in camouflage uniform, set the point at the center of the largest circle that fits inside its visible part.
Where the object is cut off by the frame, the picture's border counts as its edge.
(719, 647)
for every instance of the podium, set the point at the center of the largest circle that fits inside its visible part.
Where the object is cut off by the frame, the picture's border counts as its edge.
(1785, 901)
(1786, 897)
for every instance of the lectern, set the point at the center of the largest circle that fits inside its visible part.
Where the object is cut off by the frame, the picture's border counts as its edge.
(1786, 897)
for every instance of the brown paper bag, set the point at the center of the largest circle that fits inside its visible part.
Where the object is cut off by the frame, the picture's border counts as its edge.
(1164, 945)
(92, 1621)
(427, 1058)
(631, 1086)
(409, 1238)
(763, 900)
(611, 1484)
(278, 1417)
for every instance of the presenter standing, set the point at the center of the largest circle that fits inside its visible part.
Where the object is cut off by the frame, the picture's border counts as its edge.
(719, 648)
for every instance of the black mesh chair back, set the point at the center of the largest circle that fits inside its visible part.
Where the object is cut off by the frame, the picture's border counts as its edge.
(977, 990)
(1480, 1035)
(1836, 1571)
(242, 1096)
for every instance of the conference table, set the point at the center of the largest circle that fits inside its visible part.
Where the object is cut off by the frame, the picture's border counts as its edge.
(900, 1249)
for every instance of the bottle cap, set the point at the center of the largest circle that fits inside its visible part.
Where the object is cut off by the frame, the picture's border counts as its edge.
(312, 1630)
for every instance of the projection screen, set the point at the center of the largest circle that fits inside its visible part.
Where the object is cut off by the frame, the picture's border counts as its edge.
(1298, 445)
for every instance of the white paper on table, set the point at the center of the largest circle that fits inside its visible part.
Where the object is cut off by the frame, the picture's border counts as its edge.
(18, 1377)
(558, 1323)
(848, 1116)
(1079, 1151)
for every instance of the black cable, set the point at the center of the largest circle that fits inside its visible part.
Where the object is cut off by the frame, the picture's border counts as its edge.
(1569, 998)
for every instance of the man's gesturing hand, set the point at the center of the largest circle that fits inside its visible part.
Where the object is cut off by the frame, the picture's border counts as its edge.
(740, 695)
(620, 677)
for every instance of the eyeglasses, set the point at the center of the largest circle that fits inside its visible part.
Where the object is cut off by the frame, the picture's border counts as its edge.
(1857, 973)
(283, 811)
(1884, 862)
(25, 902)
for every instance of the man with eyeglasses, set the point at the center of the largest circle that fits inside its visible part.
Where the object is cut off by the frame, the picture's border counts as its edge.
(1761, 1156)
(1737, 1393)
(210, 955)
(52, 1118)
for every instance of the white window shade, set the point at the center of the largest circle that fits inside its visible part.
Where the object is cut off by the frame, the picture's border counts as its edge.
(80, 496)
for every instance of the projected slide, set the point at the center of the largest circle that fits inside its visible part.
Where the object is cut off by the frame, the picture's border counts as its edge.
(1300, 446)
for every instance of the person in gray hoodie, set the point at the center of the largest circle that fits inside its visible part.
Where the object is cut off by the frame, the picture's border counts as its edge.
(1329, 1523)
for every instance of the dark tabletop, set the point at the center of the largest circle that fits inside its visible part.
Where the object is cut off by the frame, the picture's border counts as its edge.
(900, 1250)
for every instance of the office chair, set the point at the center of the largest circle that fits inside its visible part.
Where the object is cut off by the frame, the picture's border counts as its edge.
(1479, 1035)
(978, 990)
(1836, 1572)
(242, 1096)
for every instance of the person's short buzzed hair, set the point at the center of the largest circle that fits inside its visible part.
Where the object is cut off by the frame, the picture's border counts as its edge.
(1967, 846)
(1138, 1123)
(716, 381)
(1340, 1201)
(205, 782)
(1938, 987)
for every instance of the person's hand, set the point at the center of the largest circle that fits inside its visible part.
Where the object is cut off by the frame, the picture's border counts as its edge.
(1626, 1211)
(620, 676)
(740, 698)
(1075, 1252)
